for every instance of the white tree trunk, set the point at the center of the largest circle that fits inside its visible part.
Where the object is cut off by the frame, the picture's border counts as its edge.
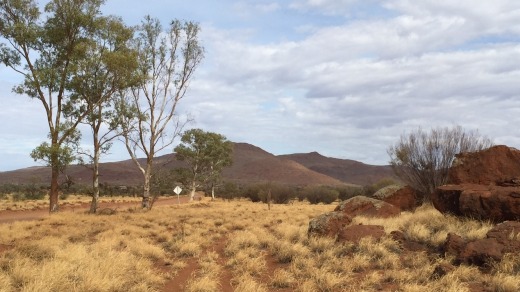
(146, 187)
(95, 181)
(192, 193)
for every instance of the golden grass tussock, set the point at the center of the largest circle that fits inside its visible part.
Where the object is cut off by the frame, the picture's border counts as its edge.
(429, 226)
(259, 249)
(206, 279)
(282, 279)
(72, 201)
(247, 283)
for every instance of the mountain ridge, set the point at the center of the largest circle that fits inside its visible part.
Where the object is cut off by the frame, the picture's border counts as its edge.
(251, 164)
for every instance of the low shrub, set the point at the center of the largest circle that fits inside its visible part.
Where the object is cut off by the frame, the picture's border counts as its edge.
(320, 194)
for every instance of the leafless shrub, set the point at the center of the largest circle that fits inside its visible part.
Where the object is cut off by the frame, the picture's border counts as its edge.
(422, 159)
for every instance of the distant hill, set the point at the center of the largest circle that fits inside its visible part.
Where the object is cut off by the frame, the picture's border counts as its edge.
(250, 165)
(348, 171)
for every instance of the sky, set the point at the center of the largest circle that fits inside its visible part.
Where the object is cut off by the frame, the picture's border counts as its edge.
(345, 78)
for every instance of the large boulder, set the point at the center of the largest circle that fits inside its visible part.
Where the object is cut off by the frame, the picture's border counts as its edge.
(403, 197)
(493, 203)
(365, 206)
(497, 165)
(483, 185)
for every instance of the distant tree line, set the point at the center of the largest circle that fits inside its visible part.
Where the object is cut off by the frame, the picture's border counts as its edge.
(256, 192)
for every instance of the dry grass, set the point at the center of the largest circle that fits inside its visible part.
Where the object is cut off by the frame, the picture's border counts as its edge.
(9, 203)
(264, 251)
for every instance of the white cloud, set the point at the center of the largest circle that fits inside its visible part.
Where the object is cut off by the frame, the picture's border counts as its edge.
(350, 88)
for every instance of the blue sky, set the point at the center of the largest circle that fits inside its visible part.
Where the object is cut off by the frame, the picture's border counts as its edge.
(345, 78)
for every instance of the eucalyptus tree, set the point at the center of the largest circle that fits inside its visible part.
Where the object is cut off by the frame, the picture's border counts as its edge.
(206, 154)
(44, 48)
(107, 68)
(167, 60)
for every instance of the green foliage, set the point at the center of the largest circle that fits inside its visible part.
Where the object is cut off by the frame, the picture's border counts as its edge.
(370, 190)
(46, 49)
(59, 155)
(347, 192)
(229, 190)
(280, 194)
(23, 192)
(206, 154)
(320, 194)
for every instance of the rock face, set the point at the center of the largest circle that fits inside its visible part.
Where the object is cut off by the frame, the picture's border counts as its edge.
(403, 197)
(361, 205)
(483, 185)
(496, 166)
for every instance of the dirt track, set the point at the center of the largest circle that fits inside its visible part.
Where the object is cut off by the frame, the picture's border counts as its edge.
(23, 215)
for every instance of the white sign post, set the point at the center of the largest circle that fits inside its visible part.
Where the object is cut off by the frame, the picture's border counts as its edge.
(178, 190)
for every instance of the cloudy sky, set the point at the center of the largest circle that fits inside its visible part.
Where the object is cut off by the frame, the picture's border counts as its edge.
(342, 77)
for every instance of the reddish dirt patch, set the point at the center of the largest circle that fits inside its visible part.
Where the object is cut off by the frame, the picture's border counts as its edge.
(225, 276)
(178, 282)
(273, 265)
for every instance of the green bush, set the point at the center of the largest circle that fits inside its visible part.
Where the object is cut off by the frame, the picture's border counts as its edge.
(320, 194)
(370, 190)
(345, 193)
(280, 194)
(228, 191)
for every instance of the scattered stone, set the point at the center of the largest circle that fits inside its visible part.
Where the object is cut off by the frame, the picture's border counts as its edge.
(355, 233)
(503, 238)
(481, 252)
(365, 206)
(453, 245)
(507, 234)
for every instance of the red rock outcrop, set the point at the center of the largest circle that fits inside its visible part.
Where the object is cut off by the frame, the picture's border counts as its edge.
(503, 238)
(495, 166)
(365, 206)
(403, 197)
(483, 185)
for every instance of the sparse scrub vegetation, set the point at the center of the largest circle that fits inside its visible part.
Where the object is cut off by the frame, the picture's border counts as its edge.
(260, 250)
